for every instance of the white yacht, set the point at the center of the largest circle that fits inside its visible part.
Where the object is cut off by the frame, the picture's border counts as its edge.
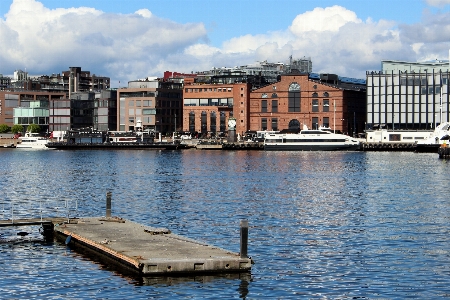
(322, 139)
(435, 139)
(32, 141)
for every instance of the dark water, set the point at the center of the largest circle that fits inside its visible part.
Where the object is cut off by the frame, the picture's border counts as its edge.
(339, 225)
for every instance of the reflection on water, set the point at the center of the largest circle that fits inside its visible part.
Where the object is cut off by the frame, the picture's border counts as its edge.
(321, 225)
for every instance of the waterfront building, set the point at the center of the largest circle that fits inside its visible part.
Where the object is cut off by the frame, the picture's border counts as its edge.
(95, 110)
(314, 100)
(156, 102)
(31, 105)
(262, 71)
(5, 82)
(208, 106)
(407, 95)
(71, 81)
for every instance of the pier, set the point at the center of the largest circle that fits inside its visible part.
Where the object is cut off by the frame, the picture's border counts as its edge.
(147, 250)
(141, 249)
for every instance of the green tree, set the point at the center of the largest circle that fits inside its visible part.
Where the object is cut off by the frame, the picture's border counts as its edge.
(4, 128)
(34, 128)
(17, 128)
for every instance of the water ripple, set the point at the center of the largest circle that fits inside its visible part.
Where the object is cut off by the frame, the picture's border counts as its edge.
(334, 225)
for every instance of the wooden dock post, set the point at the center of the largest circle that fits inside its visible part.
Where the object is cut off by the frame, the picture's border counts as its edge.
(108, 204)
(244, 238)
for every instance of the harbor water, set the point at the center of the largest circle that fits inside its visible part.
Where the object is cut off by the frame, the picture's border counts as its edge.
(322, 225)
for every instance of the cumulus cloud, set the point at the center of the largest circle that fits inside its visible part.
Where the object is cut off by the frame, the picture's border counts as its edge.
(128, 45)
(438, 3)
(131, 46)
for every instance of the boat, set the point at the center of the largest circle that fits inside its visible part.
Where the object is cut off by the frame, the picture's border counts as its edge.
(321, 139)
(88, 138)
(32, 141)
(432, 143)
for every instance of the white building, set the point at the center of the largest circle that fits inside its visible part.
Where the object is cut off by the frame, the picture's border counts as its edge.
(408, 95)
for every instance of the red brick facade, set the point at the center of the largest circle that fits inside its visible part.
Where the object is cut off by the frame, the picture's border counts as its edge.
(205, 102)
(319, 105)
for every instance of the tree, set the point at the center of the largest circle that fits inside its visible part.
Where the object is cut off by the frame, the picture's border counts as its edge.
(34, 128)
(4, 128)
(17, 128)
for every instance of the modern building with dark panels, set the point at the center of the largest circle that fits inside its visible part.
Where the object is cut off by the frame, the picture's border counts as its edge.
(95, 110)
(156, 102)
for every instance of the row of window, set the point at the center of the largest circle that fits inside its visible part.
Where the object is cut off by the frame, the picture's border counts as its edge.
(145, 103)
(294, 123)
(209, 102)
(197, 90)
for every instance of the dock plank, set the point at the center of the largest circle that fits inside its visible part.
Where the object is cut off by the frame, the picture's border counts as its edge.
(148, 250)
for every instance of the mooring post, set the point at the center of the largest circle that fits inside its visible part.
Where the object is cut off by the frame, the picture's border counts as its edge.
(108, 204)
(244, 238)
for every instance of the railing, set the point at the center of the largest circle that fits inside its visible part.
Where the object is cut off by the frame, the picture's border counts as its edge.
(14, 210)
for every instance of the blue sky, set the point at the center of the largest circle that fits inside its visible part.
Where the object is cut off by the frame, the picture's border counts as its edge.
(133, 39)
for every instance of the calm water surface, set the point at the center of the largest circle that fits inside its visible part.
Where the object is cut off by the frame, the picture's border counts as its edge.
(331, 225)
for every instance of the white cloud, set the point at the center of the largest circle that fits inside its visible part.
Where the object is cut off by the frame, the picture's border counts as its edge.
(323, 19)
(438, 3)
(130, 46)
(144, 12)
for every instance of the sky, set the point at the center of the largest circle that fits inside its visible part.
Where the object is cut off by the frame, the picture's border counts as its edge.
(135, 39)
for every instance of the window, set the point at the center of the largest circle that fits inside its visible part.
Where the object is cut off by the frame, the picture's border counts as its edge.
(325, 94)
(274, 105)
(326, 122)
(264, 124)
(191, 121)
(263, 105)
(326, 105)
(203, 124)
(315, 105)
(213, 120)
(274, 95)
(294, 97)
(274, 124)
(264, 95)
(315, 123)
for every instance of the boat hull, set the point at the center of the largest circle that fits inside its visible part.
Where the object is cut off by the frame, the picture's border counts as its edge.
(118, 146)
(309, 147)
(427, 148)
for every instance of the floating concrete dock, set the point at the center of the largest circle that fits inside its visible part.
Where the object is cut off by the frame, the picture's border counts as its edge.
(150, 251)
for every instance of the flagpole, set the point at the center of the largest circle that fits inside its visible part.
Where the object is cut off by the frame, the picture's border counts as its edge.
(334, 117)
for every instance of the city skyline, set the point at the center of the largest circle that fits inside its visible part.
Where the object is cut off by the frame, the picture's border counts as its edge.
(135, 39)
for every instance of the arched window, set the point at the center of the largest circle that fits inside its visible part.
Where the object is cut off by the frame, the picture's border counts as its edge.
(325, 94)
(315, 95)
(274, 95)
(294, 100)
(294, 124)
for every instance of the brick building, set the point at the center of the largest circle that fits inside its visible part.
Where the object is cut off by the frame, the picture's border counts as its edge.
(297, 100)
(208, 106)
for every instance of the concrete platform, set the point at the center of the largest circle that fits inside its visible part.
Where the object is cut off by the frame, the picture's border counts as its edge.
(148, 251)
